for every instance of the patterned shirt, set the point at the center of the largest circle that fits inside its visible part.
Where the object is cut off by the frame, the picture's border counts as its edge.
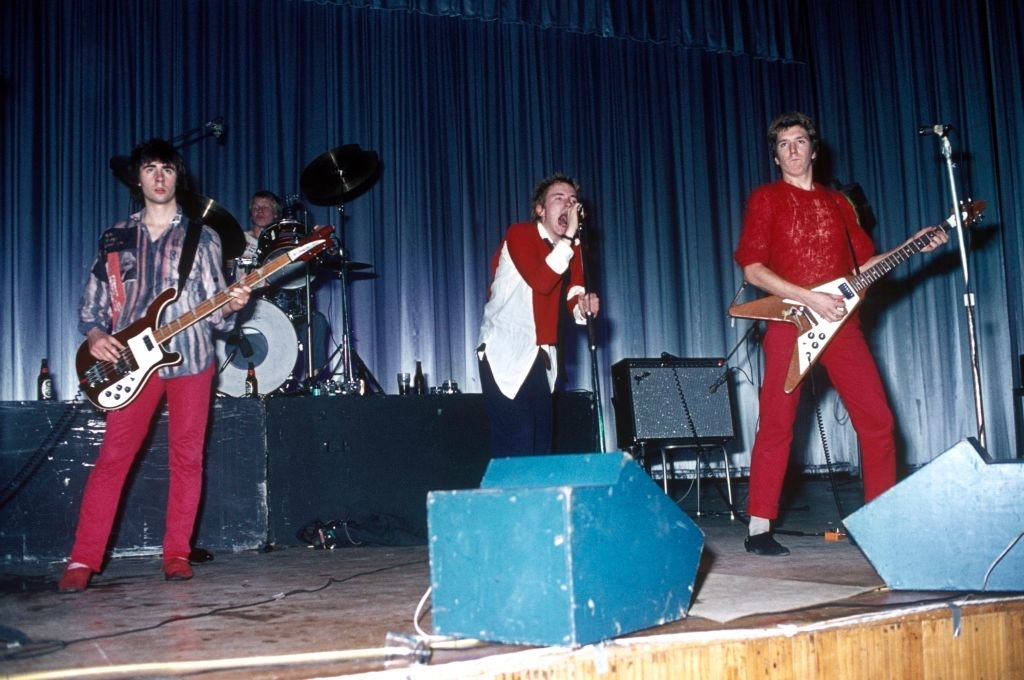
(148, 268)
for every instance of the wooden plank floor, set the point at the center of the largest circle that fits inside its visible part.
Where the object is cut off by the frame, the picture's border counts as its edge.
(341, 606)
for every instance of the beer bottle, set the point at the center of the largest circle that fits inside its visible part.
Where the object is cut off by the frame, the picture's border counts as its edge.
(251, 385)
(44, 383)
(419, 383)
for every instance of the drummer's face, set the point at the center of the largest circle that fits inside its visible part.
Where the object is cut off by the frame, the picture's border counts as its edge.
(262, 212)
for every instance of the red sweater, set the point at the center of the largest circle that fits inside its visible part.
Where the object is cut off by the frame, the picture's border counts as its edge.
(801, 235)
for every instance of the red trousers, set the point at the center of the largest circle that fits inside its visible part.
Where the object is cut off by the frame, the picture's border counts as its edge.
(854, 374)
(188, 407)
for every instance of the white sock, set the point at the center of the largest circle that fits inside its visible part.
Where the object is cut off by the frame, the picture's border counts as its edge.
(759, 525)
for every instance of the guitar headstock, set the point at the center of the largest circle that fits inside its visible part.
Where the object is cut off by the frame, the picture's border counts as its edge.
(312, 244)
(970, 212)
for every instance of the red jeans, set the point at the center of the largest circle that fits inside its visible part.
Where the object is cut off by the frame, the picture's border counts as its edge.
(854, 374)
(188, 407)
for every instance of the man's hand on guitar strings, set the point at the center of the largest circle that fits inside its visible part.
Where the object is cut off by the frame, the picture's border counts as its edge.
(104, 346)
(827, 306)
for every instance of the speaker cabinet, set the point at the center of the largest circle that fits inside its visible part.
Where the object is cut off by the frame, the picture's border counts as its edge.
(559, 550)
(687, 401)
(952, 525)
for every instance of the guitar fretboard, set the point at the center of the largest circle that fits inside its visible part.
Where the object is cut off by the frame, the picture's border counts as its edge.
(208, 307)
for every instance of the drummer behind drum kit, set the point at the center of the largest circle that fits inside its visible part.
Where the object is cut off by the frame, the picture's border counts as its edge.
(267, 332)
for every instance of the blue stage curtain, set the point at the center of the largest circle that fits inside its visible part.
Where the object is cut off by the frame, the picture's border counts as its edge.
(658, 108)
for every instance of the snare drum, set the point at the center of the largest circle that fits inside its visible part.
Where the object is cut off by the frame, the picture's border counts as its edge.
(279, 238)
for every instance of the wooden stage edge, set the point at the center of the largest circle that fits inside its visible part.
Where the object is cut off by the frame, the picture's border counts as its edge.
(968, 637)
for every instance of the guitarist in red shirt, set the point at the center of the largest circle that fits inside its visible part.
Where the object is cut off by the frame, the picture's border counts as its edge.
(798, 233)
(138, 261)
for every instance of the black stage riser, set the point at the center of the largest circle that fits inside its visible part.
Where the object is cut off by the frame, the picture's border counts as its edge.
(271, 467)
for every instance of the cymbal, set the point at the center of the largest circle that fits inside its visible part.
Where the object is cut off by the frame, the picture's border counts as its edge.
(197, 207)
(339, 175)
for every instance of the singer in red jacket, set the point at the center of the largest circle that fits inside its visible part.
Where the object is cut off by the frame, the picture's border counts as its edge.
(536, 269)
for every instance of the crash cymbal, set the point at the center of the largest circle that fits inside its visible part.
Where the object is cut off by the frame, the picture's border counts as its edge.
(338, 176)
(196, 207)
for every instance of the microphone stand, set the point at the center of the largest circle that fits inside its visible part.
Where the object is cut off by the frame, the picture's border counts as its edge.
(969, 301)
(595, 377)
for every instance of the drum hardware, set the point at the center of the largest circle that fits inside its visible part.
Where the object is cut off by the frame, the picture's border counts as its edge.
(279, 237)
(333, 179)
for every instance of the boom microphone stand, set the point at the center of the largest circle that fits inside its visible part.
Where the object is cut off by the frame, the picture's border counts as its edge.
(940, 130)
(595, 377)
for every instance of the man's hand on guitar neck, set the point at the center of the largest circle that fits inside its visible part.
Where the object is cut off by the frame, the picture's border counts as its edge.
(239, 294)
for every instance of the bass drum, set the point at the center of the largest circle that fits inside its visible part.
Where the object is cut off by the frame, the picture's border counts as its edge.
(263, 335)
(276, 239)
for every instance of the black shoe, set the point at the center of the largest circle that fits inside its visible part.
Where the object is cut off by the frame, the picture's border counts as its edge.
(764, 544)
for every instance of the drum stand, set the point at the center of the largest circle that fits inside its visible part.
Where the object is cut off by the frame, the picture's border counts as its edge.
(349, 383)
(310, 376)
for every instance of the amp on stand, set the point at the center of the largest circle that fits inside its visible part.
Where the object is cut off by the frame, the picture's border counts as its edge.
(685, 401)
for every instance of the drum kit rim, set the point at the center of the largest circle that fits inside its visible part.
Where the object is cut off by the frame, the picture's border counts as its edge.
(266, 331)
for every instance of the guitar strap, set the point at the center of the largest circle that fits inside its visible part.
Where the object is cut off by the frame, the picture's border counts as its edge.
(117, 293)
(188, 252)
(849, 239)
(853, 255)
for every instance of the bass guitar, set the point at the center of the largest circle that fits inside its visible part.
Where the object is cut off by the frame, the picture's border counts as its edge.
(112, 385)
(813, 333)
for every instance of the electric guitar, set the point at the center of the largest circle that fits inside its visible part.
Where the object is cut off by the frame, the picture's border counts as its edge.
(814, 333)
(112, 385)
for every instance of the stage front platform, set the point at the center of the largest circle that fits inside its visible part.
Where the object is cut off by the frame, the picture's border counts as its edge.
(273, 467)
(292, 613)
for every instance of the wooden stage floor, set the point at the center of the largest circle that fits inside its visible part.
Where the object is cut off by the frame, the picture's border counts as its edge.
(295, 612)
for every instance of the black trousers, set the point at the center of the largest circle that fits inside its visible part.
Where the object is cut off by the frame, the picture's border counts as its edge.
(522, 426)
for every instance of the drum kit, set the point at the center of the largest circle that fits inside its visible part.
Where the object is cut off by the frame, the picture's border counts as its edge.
(283, 323)
(280, 333)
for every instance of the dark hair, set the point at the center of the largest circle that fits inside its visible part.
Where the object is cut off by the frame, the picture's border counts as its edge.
(541, 190)
(788, 120)
(272, 197)
(157, 150)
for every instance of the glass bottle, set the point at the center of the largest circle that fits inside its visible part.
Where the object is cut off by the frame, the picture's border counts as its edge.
(419, 383)
(252, 388)
(44, 383)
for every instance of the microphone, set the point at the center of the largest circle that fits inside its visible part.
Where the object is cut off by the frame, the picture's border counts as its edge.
(238, 338)
(216, 128)
(581, 211)
(937, 129)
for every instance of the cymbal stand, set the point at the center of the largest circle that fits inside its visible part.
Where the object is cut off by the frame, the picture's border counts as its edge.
(349, 384)
(310, 375)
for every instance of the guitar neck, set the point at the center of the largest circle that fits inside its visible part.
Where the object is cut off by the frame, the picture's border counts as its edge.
(208, 307)
(888, 263)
